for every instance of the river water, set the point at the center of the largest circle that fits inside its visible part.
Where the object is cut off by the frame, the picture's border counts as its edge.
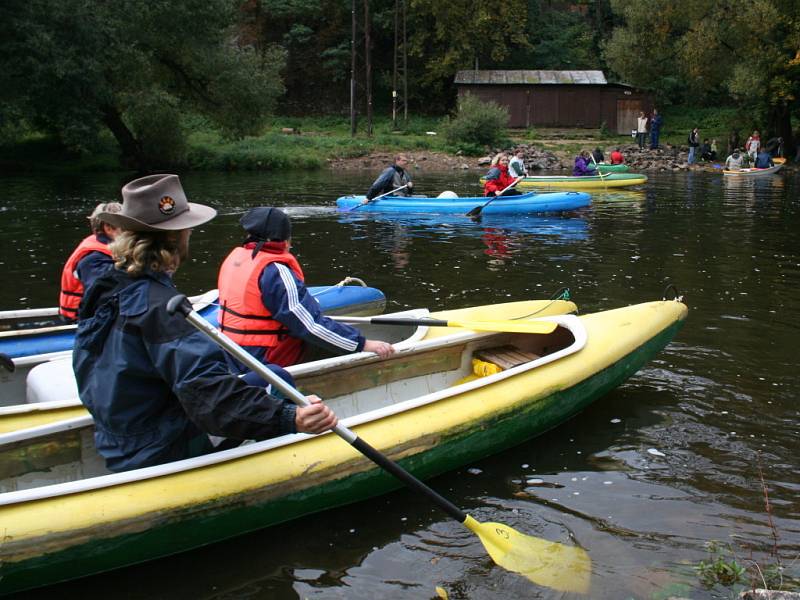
(643, 480)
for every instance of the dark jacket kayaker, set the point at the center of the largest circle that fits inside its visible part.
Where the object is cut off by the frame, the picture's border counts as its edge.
(87, 262)
(154, 385)
(265, 305)
(583, 166)
(498, 178)
(392, 178)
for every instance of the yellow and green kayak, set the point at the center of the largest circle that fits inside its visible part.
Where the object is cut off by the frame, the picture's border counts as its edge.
(452, 396)
(587, 182)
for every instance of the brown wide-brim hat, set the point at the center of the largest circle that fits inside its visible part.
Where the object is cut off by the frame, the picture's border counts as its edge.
(157, 203)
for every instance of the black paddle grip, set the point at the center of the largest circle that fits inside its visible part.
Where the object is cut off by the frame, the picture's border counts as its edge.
(408, 479)
(179, 303)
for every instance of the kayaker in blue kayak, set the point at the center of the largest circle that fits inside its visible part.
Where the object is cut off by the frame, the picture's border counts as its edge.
(87, 262)
(155, 385)
(265, 306)
(393, 177)
(498, 180)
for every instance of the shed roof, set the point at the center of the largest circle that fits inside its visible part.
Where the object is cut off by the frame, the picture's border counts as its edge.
(502, 77)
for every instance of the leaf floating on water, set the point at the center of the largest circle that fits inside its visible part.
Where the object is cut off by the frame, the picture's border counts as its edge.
(441, 593)
(474, 471)
(655, 452)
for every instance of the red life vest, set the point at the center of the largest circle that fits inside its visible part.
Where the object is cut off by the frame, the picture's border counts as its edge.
(243, 316)
(71, 286)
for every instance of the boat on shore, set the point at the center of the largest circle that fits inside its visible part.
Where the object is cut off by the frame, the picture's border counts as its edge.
(31, 337)
(587, 182)
(753, 172)
(530, 203)
(65, 516)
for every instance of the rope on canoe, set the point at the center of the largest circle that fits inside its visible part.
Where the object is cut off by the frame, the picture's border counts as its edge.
(677, 296)
(561, 294)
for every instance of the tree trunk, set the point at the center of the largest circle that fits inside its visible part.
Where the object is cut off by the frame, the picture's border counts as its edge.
(780, 124)
(132, 156)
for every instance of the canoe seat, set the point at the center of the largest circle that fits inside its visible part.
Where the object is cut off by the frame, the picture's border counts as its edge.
(506, 357)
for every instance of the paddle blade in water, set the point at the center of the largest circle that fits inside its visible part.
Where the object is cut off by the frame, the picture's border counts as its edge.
(507, 326)
(550, 564)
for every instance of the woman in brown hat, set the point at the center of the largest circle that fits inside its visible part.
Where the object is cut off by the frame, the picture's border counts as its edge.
(155, 386)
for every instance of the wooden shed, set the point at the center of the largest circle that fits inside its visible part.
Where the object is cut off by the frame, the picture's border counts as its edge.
(558, 98)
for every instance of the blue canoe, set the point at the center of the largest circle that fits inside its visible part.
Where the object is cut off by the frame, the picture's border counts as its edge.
(32, 332)
(506, 205)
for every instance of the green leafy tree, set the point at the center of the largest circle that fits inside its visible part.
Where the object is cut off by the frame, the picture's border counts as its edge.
(450, 36)
(694, 51)
(134, 67)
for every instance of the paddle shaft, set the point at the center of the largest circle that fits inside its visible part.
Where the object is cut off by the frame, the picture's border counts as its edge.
(389, 193)
(180, 304)
(477, 210)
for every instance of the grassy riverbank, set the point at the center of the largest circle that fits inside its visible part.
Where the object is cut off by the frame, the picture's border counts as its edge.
(313, 142)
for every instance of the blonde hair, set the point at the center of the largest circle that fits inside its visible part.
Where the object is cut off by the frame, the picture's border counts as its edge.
(106, 207)
(136, 251)
(497, 157)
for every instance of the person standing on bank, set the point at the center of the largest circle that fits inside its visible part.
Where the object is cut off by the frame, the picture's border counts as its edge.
(694, 142)
(265, 306)
(641, 129)
(655, 129)
(87, 262)
(391, 178)
(157, 387)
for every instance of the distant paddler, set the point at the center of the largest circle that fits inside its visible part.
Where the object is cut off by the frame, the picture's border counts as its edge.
(498, 180)
(393, 178)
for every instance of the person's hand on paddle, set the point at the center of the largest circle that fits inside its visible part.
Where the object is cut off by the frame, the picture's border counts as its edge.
(410, 185)
(317, 417)
(382, 349)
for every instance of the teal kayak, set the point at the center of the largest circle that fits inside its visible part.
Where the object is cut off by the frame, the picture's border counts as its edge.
(505, 205)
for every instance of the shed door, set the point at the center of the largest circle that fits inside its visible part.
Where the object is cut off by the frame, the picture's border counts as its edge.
(627, 113)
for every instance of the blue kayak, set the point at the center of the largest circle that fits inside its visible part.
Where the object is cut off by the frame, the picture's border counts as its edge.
(48, 335)
(505, 205)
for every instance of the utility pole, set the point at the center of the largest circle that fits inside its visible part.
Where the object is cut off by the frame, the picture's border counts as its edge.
(400, 70)
(368, 66)
(353, 70)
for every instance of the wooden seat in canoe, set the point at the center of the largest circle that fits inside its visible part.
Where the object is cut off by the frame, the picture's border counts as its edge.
(506, 357)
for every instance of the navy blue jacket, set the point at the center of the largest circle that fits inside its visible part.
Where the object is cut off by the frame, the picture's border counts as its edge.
(290, 302)
(154, 384)
(94, 264)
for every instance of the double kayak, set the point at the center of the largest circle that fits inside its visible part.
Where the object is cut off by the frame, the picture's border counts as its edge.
(753, 172)
(447, 204)
(30, 337)
(608, 168)
(448, 397)
(587, 182)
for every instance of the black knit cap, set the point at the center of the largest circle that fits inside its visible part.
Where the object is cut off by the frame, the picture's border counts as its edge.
(266, 224)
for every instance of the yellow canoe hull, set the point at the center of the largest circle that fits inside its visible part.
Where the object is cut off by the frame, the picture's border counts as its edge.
(129, 519)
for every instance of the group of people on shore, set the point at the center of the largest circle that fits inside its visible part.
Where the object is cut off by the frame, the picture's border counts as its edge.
(156, 387)
(651, 125)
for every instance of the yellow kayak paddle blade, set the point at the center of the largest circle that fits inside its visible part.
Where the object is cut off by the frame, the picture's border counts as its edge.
(507, 326)
(550, 564)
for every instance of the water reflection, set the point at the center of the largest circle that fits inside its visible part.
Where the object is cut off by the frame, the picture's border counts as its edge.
(715, 405)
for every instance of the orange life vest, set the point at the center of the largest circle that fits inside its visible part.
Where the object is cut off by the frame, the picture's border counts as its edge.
(71, 286)
(243, 316)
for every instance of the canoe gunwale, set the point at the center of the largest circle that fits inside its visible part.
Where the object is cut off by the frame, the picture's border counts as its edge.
(571, 323)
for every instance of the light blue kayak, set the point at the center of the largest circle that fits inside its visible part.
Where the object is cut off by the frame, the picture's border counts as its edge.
(42, 333)
(505, 205)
